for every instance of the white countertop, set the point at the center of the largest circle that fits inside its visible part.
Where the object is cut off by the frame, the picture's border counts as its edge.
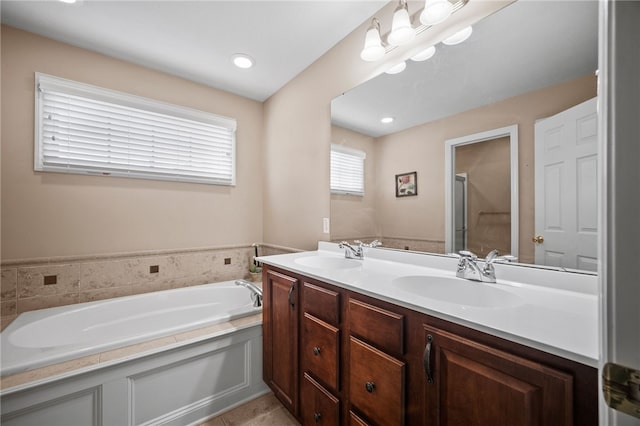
(553, 311)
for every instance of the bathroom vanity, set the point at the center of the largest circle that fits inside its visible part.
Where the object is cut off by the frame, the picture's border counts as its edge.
(380, 341)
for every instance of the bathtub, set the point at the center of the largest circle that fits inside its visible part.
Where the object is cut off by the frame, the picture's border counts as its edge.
(49, 336)
(183, 383)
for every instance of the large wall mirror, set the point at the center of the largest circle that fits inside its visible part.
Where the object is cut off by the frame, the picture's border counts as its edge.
(524, 65)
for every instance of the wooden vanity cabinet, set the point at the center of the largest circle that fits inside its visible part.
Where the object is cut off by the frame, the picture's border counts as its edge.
(373, 360)
(280, 336)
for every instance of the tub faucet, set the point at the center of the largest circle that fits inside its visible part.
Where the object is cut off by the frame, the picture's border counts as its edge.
(256, 292)
(469, 269)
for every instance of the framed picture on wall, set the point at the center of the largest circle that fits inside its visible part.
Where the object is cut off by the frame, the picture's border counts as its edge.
(407, 184)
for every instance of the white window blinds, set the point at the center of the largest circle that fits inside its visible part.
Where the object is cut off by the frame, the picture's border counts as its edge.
(347, 170)
(87, 129)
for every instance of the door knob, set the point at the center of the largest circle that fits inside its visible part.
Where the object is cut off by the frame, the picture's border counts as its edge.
(538, 239)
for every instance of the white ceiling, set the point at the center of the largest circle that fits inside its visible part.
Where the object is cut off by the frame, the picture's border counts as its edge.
(196, 39)
(524, 47)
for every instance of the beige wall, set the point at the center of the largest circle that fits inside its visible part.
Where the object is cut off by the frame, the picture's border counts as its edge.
(354, 217)
(50, 214)
(424, 214)
(298, 130)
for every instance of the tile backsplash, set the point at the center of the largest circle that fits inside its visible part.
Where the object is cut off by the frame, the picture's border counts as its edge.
(80, 280)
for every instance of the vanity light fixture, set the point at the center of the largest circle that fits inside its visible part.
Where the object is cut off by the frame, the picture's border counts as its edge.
(458, 37)
(242, 60)
(397, 68)
(435, 11)
(387, 120)
(424, 54)
(401, 30)
(373, 48)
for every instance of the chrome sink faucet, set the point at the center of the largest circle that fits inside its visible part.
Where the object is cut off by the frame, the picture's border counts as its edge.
(357, 252)
(256, 292)
(469, 269)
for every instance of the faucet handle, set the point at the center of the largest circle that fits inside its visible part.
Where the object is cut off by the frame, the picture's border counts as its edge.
(491, 257)
(375, 243)
(468, 254)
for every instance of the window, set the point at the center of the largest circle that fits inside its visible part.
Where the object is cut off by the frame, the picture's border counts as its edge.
(87, 129)
(347, 170)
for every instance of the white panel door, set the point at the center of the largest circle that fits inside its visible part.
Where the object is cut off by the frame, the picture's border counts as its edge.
(566, 202)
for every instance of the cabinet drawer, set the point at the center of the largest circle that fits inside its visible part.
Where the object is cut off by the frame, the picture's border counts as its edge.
(320, 350)
(376, 383)
(321, 303)
(382, 328)
(319, 407)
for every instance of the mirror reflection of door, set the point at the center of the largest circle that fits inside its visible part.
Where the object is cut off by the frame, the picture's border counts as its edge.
(566, 201)
(460, 195)
(487, 166)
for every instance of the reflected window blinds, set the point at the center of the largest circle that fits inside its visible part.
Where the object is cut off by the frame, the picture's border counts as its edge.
(347, 170)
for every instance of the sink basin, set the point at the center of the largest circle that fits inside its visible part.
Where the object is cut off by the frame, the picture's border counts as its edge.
(326, 262)
(458, 291)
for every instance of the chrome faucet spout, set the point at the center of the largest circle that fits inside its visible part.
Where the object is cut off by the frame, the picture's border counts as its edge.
(351, 252)
(256, 292)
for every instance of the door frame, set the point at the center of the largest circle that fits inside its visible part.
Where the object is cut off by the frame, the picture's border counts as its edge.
(449, 181)
(619, 179)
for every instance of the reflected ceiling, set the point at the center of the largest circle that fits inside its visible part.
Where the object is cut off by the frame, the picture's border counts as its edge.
(543, 43)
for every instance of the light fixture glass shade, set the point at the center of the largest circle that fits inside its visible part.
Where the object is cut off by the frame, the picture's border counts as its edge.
(458, 37)
(397, 68)
(424, 54)
(373, 49)
(401, 30)
(435, 11)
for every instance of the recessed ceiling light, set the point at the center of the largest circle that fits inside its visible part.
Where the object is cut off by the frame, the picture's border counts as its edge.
(458, 37)
(397, 68)
(241, 60)
(68, 1)
(387, 120)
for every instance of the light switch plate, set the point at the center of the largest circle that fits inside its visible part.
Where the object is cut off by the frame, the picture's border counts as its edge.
(325, 225)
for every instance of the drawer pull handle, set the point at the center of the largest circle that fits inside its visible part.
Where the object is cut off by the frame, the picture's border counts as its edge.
(426, 359)
(370, 386)
(317, 417)
(290, 296)
(316, 351)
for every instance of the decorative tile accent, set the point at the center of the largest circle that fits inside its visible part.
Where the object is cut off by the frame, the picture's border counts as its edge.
(9, 284)
(31, 280)
(86, 279)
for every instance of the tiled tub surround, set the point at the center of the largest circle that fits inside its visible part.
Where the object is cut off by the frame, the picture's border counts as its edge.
(86, 279)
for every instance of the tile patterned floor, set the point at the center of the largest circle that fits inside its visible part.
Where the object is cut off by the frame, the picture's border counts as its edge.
(263, 411)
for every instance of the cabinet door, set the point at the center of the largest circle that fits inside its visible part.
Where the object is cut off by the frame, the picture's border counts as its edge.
(472, 384)
(280, 337)
(319, 407)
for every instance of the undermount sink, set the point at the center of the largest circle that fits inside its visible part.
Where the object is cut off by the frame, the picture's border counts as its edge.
(326, 262)
(458, 291)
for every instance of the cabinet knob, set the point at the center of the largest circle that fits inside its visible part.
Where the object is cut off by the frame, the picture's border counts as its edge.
(370, 386)
(317, 417)
(316, 351)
